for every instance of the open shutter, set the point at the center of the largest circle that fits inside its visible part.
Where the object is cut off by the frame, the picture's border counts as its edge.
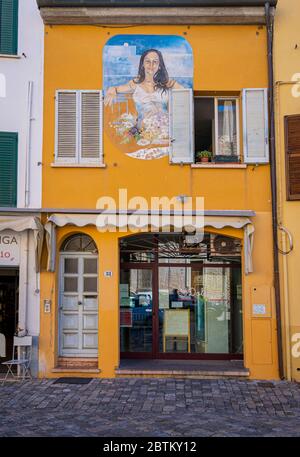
(181, 108)
(8, 26)
(91, 126)
(292, 154)
(255, 123)
(8, 169)
(66, 127)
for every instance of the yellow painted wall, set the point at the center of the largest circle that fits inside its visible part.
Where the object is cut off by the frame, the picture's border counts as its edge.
(287, 64)
(226, 58)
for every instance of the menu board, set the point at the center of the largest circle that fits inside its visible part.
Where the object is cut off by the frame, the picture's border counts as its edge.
(177, 322)
(163, 299)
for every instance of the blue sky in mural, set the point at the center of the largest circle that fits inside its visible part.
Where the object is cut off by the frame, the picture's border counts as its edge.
(122, 54)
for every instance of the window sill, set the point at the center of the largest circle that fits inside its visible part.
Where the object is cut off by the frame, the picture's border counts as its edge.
(10, 56)
(78, 165)
(219, 165)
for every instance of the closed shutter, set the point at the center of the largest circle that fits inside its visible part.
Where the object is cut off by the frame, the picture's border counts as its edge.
(91, 122)
(8, 26)
(181, 126)
(78, 129)
(8, 169)
(66, 127)
(292, 148)
(255, 125)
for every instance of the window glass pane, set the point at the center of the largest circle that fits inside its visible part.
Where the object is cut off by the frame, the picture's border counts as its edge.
(71, 266)
(90, 266)
(204, 112)
(90, 284)
(79, 243)
(71, 284)
(200, 310)
(227, 131)
(136, 310)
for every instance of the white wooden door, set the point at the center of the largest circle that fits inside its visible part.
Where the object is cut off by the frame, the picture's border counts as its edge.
(78, 305)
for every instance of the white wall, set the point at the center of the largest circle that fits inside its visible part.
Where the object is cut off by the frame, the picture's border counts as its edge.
(13, 107)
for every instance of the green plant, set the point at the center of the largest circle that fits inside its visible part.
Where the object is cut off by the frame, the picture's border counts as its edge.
(200, 154)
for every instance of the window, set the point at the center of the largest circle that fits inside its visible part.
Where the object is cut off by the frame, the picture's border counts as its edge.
(213, 124)
(9, 27)
(79, 243)
(8, 169)
(216, 127)
(78, 127)
(292, 155)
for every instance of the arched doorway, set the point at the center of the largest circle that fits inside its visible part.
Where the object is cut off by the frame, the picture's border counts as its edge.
(78, 297)
(181, 297)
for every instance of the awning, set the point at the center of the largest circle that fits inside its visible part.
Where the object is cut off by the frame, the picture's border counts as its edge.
(118, 222)
(20, 224)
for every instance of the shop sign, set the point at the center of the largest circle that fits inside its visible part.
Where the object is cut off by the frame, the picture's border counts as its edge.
(9, 249)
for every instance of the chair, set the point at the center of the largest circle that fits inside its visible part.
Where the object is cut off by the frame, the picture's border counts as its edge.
(21, 358)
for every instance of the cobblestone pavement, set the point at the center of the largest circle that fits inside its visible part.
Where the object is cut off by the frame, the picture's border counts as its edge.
(150, 407)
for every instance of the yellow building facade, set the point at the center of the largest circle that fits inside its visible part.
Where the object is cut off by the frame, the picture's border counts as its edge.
(287, 105)
(110, 294)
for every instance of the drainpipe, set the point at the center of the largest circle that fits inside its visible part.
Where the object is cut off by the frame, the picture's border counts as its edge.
(28, 144)
(270, 25)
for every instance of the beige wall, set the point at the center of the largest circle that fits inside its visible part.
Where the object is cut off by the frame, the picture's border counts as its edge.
(287, 100)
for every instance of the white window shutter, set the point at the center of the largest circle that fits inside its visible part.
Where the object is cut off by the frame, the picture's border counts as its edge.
(91, 126)
(181, 109)
(66, 126)
(255, 125)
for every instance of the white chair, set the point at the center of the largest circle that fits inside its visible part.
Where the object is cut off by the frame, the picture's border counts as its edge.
(21, 358)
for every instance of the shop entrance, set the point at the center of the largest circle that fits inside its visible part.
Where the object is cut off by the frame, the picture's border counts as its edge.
(180, 300)
(9, 299)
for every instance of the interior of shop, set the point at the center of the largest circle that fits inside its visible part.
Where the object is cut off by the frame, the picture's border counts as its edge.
(9, 298)
(181, 296)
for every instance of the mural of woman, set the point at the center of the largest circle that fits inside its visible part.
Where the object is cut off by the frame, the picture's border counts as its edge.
(150, 94)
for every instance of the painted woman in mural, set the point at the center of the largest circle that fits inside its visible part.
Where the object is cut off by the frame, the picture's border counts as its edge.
(150, 93)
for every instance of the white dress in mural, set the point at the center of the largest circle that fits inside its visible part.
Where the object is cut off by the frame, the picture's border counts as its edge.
(152, 122)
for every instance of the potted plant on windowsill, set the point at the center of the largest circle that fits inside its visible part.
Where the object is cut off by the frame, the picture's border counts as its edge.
(203, 156)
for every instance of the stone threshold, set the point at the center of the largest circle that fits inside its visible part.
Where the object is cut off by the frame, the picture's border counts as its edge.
(201, 369)
(183, 373)
(75, 370)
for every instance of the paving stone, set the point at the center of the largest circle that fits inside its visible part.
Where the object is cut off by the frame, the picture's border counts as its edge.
(150, 407)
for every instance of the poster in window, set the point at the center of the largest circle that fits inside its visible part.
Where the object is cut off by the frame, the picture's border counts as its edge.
(139, 72)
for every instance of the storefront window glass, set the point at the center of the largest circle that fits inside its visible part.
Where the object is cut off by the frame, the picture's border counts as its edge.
(196, 311)
(188, 300)
(136, 307)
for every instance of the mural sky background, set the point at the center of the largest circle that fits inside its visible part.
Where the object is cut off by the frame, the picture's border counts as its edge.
(122, 54)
